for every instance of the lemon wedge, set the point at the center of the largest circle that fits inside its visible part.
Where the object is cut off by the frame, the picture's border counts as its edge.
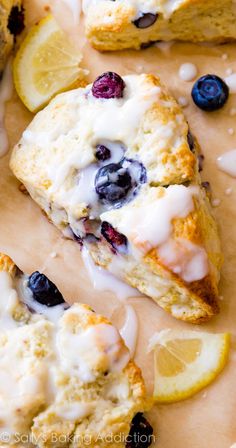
(46, 64)
(186, 362)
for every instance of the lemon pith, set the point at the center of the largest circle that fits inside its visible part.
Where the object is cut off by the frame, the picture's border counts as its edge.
(186, 362)
(46, 63)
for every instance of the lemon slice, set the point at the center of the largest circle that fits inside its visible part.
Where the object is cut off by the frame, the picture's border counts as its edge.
(186, 362)
(46, 64)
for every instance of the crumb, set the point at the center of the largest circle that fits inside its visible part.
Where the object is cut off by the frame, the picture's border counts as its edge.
(47, 8)
(224, 56)
(53, 254)
(216, 202)
(229, 71)
(232, 111)
(228, 191)
(231, 131)
(183, 101)
(140, 68)
(23, 189)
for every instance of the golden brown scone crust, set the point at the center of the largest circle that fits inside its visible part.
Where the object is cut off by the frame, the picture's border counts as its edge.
(109, 25)
(6, 264)
(112, 397)
(161, 142)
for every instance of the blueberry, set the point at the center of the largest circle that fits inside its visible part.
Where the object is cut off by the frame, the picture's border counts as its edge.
(210, 93)
(44, 291)
(145, 20)
(140, 435)
(137, 170)
(108, 85)
(112, 183)
(117, 240)
(102, 153)
(16, 20)
(117, 182)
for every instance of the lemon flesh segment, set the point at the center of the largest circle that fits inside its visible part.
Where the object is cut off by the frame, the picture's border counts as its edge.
(46, 64)
(186, 362)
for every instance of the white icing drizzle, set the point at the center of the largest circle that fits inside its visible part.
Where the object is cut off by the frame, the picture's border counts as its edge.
(129, 331)
(187, 71)
(103, 280)
(5, 95)
(227, 162)
(150, 225)
(184, 258)
(80, 353)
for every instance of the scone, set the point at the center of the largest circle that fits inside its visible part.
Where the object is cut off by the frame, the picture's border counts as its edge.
(11, 24)
(119, 24)
(66, 375)
(115, 167)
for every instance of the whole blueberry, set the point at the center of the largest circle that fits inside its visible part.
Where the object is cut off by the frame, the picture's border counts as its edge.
(140, 435)
(210, 93)
(102, 153)
(145, 20)
(108, 85)
(112, 183)
(117, 240)
(44, 291)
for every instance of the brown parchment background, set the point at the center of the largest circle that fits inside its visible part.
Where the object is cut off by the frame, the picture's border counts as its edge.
(209, 419)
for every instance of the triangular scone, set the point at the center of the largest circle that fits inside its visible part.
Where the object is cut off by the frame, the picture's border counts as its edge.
(159, 236)
(66, 374)
(115, 25)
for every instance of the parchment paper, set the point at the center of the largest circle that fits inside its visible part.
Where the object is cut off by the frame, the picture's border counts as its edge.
(209, 419)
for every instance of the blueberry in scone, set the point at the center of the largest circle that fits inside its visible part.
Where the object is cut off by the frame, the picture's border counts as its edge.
(210, 93)
(116, 25)
(119, 173)
(102, 153)
(145, 20)
(118, 241)
(141, 432)
(11, 24)
(44, 291)
(108, 85)
(66, 374)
